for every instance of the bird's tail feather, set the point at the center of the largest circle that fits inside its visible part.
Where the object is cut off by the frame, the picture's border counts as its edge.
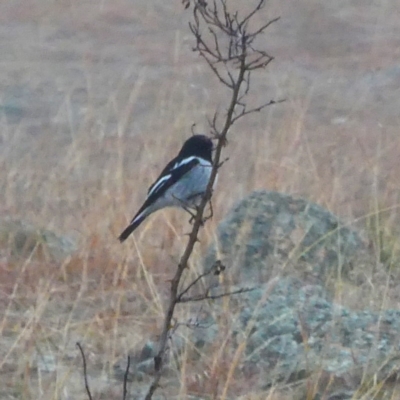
(130, 228)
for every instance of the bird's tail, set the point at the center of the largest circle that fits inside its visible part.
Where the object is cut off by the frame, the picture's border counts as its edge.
(130, 228)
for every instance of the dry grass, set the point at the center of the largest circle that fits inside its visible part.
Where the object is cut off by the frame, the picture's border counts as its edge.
(102, 114)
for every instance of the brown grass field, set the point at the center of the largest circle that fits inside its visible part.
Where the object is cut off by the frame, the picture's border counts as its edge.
(95, 97)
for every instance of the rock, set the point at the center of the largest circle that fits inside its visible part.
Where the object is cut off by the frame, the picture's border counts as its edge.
(293, 330)
(288, 328)
(289, 331)
(297, 323)
(20, 239)
(270, 233)
(142, 360)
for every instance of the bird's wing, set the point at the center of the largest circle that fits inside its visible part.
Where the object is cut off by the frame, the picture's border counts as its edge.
(164, 172)
(171, 174)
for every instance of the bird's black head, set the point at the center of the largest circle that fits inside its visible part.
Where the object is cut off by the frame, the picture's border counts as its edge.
(199, 146)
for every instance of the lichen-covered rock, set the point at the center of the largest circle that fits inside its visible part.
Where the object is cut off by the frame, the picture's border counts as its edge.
(286, 331)
(270, 233)
(289, 327)
(20, 239)
(292, 329)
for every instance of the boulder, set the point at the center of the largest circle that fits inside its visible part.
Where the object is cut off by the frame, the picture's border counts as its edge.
(21, 239)
(270, 233)
(288, 328)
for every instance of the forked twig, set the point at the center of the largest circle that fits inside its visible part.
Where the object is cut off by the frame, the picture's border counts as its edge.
(215, 269)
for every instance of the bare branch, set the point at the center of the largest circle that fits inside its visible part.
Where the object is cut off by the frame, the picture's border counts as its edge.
(246, 19)
(216, 269)
(218, 75)
(214, 296)
(85, 371)
(222, 39)
(213, 124)
(201, 46)
(216, 43)
(256, 109)
(262, 29)
(126, 378)
(260, 61)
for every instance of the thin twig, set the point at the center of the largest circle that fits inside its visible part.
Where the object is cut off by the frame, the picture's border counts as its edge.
(85, 371)
(126, 378)
(246, 19)
(197, 279)
(257, 109)
(214, 296)
(263, 28)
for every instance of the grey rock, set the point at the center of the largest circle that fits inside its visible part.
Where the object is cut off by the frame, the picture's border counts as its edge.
(270, 233)
(21, 239)
(142, 360)
(288, 325)
(292, 330)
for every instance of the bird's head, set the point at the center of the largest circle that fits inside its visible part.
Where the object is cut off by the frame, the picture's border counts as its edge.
(197, 146)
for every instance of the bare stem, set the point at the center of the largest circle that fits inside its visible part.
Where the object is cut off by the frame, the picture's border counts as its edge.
(85, 371)
(126, 378)
(225, 43)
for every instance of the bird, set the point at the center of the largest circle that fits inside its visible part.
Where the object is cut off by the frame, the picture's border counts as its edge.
(182, 183)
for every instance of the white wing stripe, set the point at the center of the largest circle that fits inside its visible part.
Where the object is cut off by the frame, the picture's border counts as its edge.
(184, 162)
(142, 214)
(177, 165)
(158, 184)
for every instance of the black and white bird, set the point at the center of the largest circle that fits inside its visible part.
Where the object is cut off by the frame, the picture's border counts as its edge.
(182, 183)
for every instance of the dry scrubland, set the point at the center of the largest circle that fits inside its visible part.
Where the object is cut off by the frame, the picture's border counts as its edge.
(95, 96)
